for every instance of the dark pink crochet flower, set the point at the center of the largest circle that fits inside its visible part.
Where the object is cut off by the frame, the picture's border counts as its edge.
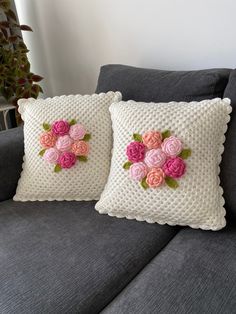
(67, 160)
(135, 151)
(174, 167)
(60, 127)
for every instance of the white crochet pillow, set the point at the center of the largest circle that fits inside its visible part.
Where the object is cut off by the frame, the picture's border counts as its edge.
(174, 180)
(68, 142)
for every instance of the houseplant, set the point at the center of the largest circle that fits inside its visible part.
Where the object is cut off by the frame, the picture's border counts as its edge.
(16, 79)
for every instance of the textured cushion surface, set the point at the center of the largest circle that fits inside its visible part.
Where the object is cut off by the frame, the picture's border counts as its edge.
(63, 257)
(228, 166)
(195, 273)
(11, 155)
(162, 86)
(198, 200)
(85, 180)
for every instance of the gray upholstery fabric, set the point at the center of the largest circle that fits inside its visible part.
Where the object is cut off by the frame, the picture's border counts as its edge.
(157, 85)
(194, 274)
(64, 257)
(228, 165)
(11, 157)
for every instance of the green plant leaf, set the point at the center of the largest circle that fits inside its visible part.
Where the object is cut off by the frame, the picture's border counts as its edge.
(12, 39)
(11, 14)
(57, 168)
(185, 153)
(4, 24)
(26, 28)
(5, 5)
(41, 153)
(172, 183)
(37, 78)
(46, 126)
(137, 137)
(34, 88)
(72, 122)
(166, 134)
(87, 137)
(144, 184)
(127, 165)
(82, 158)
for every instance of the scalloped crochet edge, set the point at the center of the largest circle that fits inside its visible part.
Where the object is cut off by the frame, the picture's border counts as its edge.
(161, 222)
(117, 96)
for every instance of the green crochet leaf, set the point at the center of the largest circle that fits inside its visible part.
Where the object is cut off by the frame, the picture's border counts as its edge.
(166, 134)
(144, 184)
(72, 122)
(41, 153)
(82, 158)
(172, 183)
(127, 165)
(137, 137)
(46, 126)
(185, 153)
(57, 168)
(87, 137)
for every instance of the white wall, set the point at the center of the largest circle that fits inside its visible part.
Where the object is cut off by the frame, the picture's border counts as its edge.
(72, 38)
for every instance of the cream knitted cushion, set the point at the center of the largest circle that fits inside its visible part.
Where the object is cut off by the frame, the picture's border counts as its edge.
(66, 164)
(179, 191)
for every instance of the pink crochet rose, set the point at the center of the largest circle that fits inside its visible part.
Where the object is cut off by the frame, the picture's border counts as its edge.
(172, 146)
(60, 127)
(64, 143)
(138, 171)
(77, 132)
(51, 155)
(135, 151)
(80, 148)
(47, 139)
(155, 158)
(174, 167)
(67, 160)
(155, 177)
(152, 139)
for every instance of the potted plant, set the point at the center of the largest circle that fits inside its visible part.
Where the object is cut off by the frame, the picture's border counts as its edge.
(16, 79)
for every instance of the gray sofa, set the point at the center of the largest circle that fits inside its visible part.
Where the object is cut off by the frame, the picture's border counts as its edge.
(63, 257)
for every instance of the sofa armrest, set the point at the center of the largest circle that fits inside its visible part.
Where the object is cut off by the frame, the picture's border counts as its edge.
(11, 157)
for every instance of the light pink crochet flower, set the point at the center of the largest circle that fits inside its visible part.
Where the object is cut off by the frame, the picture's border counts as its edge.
(51, 155)
(60, 127)
(172, 146)
(152, 139)
(67, 160)
(138, 171)
(47, 139)
(155, 177)
(80, 148)
(64, 143)
(174, 167)
(77, 132)
(155, 158)
(135, 151)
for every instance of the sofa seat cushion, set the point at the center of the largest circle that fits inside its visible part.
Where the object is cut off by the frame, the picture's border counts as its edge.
(63, 257)
(194, 273)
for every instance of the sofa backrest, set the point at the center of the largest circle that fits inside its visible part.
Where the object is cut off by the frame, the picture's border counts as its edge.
(164, 86)
(228, 165)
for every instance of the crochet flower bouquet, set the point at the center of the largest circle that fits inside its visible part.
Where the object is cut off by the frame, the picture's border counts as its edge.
(156, 158)
(64, 143)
